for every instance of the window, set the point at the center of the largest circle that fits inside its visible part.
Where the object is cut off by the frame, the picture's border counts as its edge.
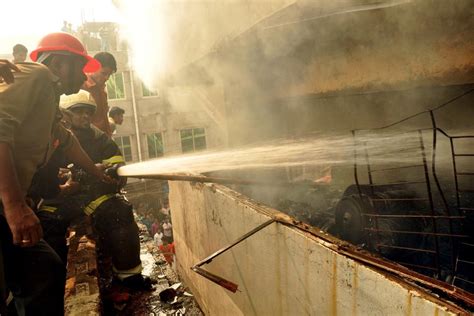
(193, 139)
(155, 145)
(115, 87)
(125, 147)
(147, 92)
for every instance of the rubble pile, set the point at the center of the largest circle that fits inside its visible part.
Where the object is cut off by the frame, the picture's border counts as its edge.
(308, 204)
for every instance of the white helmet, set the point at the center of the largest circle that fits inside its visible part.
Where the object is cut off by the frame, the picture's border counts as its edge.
(80, 99)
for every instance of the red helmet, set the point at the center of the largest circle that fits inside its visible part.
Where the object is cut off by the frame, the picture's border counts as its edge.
(67, 43)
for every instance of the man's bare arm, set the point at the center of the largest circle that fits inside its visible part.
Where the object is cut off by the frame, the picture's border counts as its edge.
(23, 223)
(6, 69)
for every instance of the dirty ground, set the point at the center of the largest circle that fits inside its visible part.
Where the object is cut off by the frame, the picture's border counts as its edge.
(176, 300)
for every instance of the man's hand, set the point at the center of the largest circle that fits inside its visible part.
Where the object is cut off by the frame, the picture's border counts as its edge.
(70, 187)
(24, 225)
(80, 158)
(99, 173)
(6, 69)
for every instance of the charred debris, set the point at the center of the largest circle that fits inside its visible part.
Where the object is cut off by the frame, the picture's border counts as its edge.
(417, 213)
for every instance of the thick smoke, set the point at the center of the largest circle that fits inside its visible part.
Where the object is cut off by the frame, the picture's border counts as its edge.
(266, 70)
(167, 35)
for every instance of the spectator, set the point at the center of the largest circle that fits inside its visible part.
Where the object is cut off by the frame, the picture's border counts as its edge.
(104, 38)
(96, 85)
(165, 210)
(158, 238)
(167, 230)
(19, 53)
(168, 251)
(64, 28)
(115, 117)
(155, 227)
(67, 27)
(147, 221)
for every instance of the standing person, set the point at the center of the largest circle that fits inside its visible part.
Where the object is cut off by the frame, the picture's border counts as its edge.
(115, 118)
(19, 53)
(147, 221)
(65, 27)
(29, 133)
(6, 76)
(167, 230)
(155, 227)
(111, 214)
(96, 86)
(165, 210)
(168, 250)
(157, 238)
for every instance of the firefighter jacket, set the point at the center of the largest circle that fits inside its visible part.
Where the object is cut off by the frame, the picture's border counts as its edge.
(101, 149)
(97, 144)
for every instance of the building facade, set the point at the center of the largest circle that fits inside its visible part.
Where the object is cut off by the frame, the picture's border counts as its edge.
(156, 123)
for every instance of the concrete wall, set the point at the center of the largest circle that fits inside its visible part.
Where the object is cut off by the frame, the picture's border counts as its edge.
(281, 270)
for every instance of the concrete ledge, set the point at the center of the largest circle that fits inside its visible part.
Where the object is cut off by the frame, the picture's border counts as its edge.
(82, 284)
(280, 270)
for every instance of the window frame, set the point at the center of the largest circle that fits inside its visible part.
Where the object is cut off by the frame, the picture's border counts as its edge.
(162, 145)
(145, 88)
(193, 137)
(108, 86)
(122, 146)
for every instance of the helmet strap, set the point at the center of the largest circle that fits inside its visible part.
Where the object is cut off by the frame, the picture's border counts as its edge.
(42, 57)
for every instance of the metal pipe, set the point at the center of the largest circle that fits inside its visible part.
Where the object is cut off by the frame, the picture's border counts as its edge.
(231, 286)
(236, 242)
(440, 190)
(430, 195)
(135, 116)
(412, 216)
(416, 233)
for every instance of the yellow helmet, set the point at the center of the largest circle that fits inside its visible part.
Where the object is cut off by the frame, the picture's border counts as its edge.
(80, 99)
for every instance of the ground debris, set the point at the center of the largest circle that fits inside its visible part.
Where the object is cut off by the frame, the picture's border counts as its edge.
(149, 303)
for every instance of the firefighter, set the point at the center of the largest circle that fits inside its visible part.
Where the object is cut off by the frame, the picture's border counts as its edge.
(111, 214)
(29, 134)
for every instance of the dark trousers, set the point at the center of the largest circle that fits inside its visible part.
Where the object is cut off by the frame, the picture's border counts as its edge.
(3, 285)
(54, 233)
(34, 276)
(113, 222)
(118, 233)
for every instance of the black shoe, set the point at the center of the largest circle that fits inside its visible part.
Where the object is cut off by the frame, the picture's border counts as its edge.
(138, 282)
